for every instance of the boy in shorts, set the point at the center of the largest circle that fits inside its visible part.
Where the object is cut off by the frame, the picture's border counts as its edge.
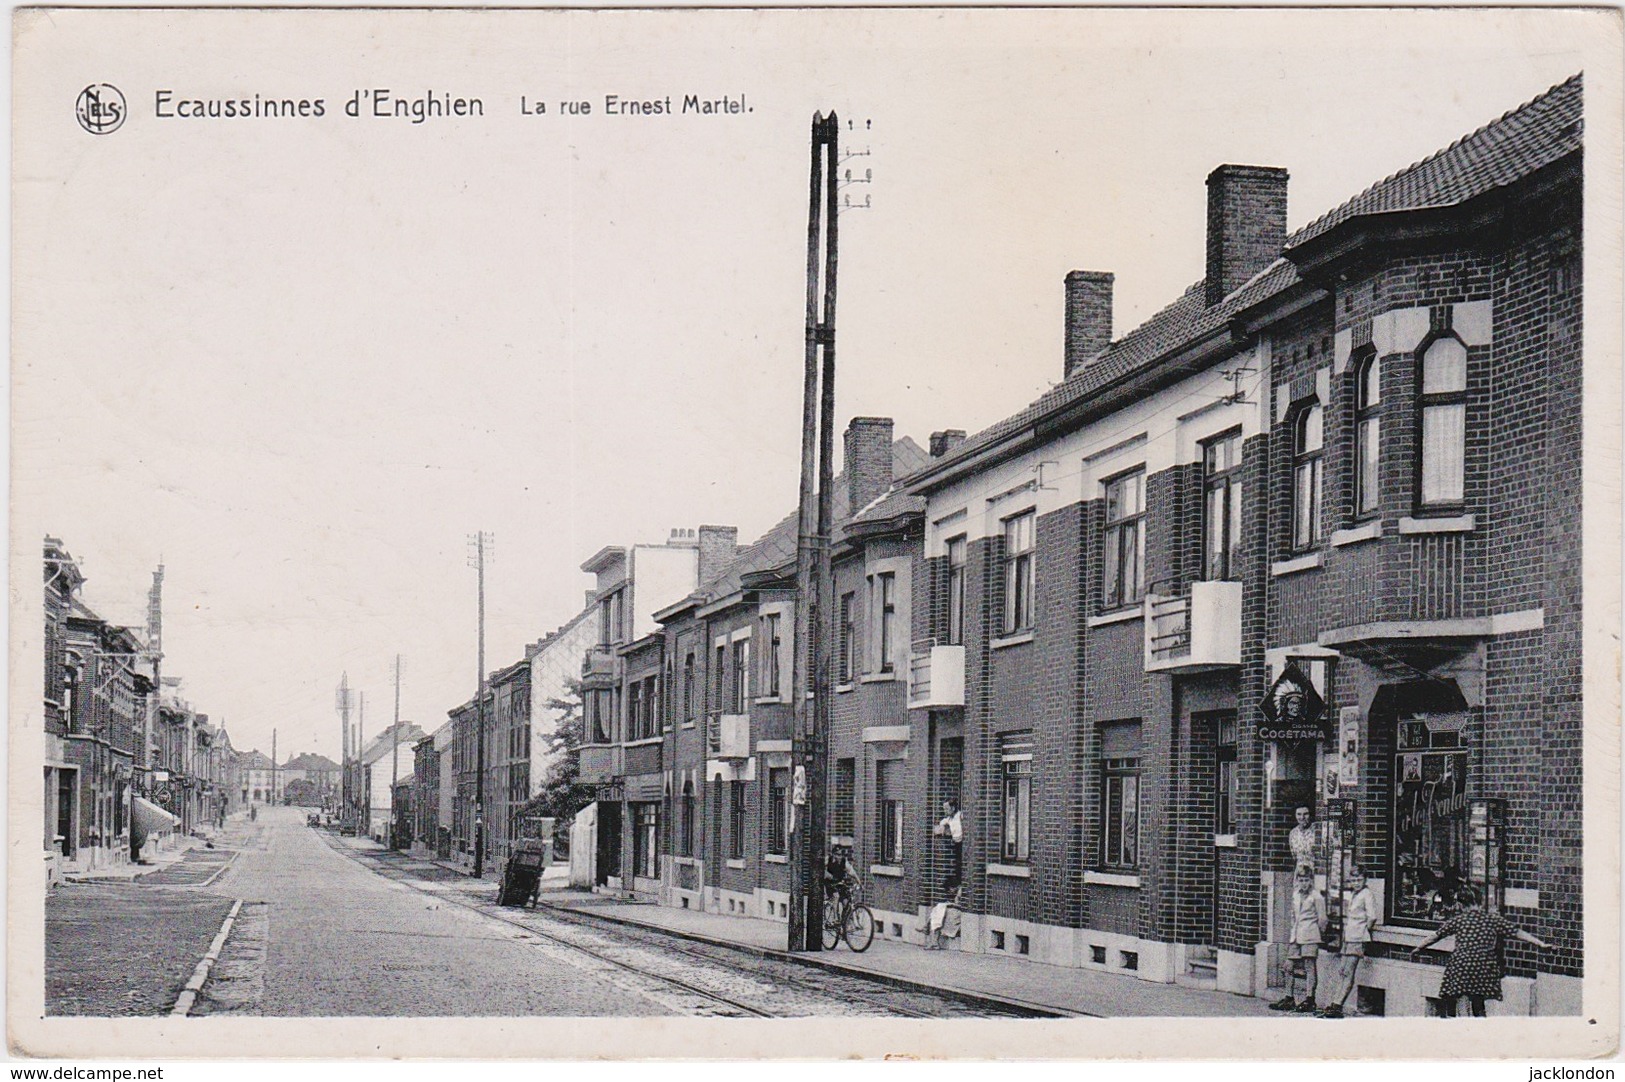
(1308, 929)
(1359, 914)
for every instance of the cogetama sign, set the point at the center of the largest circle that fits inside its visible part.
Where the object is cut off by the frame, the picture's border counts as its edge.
(1293, 710)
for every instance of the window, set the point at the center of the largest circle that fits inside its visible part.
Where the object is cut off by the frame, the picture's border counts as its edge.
(1221, 507)
(889, 810)
(778, 810)
(1226, 780)
(1367, 436)
(598, 715)
(1431, 829)
(846, 645)
(689, 705)
(645, 848)
(770, 659)
(1444, 423)
(634, 711)
(719, 679)
(1018, 573)
(883, 596)
(1307, 442)
(844, 798)
(687, 821)
(1120, 806)
(956, 590)
(741, 701)
(736, 820)
(1123, 561)
(1016, 756)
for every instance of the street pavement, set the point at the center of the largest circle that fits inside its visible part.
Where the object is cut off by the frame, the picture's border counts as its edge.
(341, 940)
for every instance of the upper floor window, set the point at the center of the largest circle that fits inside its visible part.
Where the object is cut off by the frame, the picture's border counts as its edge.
(741, 701)
(689, 703)
(846, 644)
(1308, 441)
(1444, 423)
(770, 657)
(719, 679)
(1367, 436)
(883, 595)
(1018, 573)
(1123, 559)
(1221, 506)
(956, 590)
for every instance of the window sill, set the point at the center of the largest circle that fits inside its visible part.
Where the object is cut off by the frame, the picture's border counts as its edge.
(1013, 639)
(773, 858)
(1224, 841)
(1010, 871)
(1404, 937)
(1112, 879)
(894, 871)
(1294, 565)
(1443, 524)
(840, 689)
(688, 724)
(770, 700)
(645, 742)
(1121, 616)
(737, 863)
(686, 861)
(1365, 531)
(877, 677)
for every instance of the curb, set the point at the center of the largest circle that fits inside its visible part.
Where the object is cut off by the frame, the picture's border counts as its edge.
(907, 983)
(183, 1003)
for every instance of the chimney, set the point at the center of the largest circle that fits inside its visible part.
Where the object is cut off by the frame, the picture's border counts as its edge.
(867, 461)
(717, 546)
(1246, 225)
(944, 442)
(1088, 316)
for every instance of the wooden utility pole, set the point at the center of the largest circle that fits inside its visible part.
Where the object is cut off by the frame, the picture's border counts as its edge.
(342, 702)
(273, 799)
(810, 675)
(481, 541)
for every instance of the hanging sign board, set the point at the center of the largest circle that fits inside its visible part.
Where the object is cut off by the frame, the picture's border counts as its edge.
(1293, 710)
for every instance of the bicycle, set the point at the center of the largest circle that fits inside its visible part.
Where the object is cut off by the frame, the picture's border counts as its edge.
(849, 920)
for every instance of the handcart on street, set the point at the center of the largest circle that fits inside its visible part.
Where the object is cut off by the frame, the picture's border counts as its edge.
(522, 875)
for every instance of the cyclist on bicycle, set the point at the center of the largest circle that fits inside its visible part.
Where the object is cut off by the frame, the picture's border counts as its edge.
(839, 875)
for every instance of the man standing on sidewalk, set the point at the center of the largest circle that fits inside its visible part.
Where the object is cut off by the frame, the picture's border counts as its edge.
(952, 825)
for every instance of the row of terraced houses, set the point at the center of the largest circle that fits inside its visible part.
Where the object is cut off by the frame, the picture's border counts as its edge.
(1308, 537)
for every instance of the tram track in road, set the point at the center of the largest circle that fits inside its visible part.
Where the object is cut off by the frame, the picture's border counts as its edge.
(726, 980)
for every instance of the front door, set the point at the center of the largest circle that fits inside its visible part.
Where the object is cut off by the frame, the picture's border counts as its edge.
(609, 842)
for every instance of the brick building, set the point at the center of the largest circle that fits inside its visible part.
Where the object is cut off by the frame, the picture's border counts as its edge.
(1342, 467)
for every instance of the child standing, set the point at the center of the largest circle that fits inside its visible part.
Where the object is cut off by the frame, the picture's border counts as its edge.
(1308, 929)
(1359, 914)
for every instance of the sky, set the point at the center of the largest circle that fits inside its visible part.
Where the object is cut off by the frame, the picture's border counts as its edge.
(301, 361)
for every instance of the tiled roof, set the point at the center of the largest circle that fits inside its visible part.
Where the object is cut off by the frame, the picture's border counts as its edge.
(1503, 151)
(1519, 143)
(777, 547)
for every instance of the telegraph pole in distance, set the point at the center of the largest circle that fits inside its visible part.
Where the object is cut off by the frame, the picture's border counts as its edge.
(481, 541)
(141, 762)
(342, 703)
(810, 676)
(395, 753)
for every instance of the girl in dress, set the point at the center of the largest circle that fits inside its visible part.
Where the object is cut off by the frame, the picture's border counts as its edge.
(1474, 969)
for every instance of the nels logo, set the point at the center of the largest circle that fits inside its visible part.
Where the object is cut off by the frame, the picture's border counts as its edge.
(100, 109)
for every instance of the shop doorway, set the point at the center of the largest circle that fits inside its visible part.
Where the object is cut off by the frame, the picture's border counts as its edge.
(609, 842)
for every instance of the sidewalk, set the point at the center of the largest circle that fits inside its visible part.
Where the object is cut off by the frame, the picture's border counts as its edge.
(178, 856)
(1052, 989)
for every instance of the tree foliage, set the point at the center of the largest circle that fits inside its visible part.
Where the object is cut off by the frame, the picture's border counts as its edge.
(561, 793)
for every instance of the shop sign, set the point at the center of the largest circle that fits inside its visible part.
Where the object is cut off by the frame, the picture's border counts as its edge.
(1293, 710)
